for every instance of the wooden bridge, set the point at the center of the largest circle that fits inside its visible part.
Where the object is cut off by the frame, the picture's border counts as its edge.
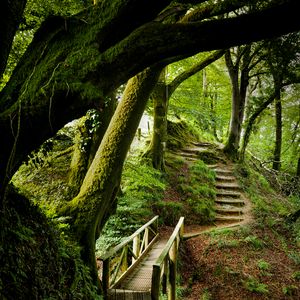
(143, 266)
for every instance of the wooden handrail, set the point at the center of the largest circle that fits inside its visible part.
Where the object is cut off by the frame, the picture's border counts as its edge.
(164, 268)
(124, 263)
(127, 240)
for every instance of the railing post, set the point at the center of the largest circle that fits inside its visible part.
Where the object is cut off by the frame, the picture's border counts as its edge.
(146, 237)
(172, 271)
(136, 247)
(155, 282)
(165, 276)
(124, 263)
(105, 276)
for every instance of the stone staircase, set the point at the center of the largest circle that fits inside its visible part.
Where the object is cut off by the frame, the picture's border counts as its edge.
(231, 206)
(229, 203)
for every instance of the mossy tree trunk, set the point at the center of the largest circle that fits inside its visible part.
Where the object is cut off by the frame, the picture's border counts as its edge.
(90, 209)
(86, 143)
(239, 77)
(158, 143)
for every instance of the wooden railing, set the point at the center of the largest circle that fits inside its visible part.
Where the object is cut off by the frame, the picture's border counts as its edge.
(164, 269)
(121, 259)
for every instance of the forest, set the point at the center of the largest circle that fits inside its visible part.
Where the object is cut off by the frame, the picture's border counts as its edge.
(115, 111)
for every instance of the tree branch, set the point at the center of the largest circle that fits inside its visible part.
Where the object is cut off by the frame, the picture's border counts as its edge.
(172, 86)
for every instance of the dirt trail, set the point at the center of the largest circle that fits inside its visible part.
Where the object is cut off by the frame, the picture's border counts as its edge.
(232, 207)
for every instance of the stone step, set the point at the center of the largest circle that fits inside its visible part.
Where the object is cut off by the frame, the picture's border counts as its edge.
(227, 186)
(224, 178)
(213, 167)
(223, 172)
(228, 210)
(228, 218)
(228, 194)
(188, 155)
(229, 201)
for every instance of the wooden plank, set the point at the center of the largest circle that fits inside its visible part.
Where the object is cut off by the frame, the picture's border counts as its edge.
(131, 268)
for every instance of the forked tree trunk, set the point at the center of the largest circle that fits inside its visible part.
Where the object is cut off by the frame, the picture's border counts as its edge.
(232, 144)
(239, 92)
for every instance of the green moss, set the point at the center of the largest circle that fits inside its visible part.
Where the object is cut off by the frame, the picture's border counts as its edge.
(36, 260)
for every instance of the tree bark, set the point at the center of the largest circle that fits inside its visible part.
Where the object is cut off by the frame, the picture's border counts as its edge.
(158, 143)
(239, 76)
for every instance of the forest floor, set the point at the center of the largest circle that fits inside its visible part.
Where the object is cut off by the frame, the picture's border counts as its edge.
(240, 260)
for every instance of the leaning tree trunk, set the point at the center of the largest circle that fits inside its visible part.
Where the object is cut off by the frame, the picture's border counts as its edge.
(90, 209)
(232, 144)
(278, 139)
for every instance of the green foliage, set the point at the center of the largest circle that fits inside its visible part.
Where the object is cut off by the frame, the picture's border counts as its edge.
(263, 265)
(253, 285)
(197, 192)
(204, 98)
(254, 241)
(296, 275)
(269, 205)
(180, 133)
(295, 256)
(290, 290)
(206, 295)
(142, 188)
(221, 244)
(170, 212)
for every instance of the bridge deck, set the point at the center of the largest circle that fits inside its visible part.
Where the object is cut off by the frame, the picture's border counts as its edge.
(137, 285)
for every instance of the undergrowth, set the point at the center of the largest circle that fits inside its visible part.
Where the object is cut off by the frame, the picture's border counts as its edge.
(141, 186)
(190, 193)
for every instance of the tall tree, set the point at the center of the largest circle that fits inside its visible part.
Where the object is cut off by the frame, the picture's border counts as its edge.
(245, 60)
